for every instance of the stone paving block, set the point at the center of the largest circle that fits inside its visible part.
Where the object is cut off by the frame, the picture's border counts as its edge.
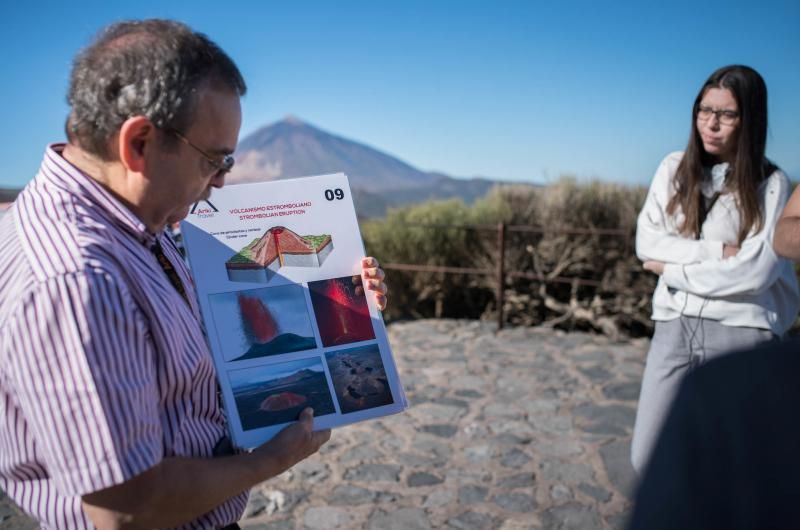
(284, 524)
(617, 461)
(442, 430)
(326, 518)
(606, 418)
(468, 393)
(520, 480)
(439, 498)
(559, 447)
(572, 517)
(435, 412)
(566, 472)
(472, 521)
(560, 493)
(402, 519)
(347, 494)
(515, 502)
(361, 453)
(515, 458)
(472, 494)
(596, 492)
(423, 479)
(374, 473)
(625, 391)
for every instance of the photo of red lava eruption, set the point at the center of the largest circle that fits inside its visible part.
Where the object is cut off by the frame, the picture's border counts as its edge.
(257, 321)
(341, 310)
(262, 332)
(261, 322)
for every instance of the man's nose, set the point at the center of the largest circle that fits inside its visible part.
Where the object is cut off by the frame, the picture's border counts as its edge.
(219, 180)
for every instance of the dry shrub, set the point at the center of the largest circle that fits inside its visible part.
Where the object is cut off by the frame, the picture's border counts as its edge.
(621, 302)
(400, 238)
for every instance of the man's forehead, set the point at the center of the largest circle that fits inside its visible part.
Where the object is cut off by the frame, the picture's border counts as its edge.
(217, 116)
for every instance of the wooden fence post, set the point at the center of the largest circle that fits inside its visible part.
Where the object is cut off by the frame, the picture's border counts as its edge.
(501, 272)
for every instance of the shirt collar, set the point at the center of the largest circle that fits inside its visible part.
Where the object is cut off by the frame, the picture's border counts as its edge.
(59, 172)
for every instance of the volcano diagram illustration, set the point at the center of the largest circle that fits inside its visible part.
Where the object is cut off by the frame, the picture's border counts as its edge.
(259, 261)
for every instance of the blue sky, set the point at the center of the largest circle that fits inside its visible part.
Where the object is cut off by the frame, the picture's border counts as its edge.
(510, 90)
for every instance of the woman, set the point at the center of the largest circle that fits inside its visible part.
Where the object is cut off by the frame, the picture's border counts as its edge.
(706, 230)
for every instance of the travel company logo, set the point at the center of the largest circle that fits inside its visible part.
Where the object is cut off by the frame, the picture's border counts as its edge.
(204, 211)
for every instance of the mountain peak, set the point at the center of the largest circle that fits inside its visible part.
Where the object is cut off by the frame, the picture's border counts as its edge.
(291, 119)
(294, 148)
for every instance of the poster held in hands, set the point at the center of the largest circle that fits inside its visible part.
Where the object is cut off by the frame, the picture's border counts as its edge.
(277, 268)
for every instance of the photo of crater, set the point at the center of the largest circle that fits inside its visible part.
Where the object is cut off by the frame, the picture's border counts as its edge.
(359, 378)
(277, 393)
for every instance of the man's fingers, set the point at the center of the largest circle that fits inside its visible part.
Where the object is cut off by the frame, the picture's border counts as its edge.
(377, 285)
(320, 438)
(376, 274)
(381, 301)
(369, 262)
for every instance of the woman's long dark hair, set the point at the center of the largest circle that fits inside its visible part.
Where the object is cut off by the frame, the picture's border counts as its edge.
(749, 167)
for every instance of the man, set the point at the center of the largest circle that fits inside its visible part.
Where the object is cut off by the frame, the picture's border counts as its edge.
(108, 395)
(727, 456)
(786, 240)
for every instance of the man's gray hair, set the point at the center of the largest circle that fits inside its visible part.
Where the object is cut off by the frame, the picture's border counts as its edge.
(149, 68)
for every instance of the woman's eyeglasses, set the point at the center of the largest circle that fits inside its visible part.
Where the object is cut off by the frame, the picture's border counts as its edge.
(725, 116)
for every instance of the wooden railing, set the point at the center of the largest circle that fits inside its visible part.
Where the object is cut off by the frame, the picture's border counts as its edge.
(502, 230)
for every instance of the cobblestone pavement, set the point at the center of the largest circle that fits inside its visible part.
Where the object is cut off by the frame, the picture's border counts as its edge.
(526, 428)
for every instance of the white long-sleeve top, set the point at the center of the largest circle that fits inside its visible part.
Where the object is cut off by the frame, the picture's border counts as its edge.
(756, 288)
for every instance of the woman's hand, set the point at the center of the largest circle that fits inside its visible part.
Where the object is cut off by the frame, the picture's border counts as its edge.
(372, 278)
(729, 251)
(654, 266)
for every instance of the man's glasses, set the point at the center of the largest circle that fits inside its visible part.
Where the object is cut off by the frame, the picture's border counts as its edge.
(725, 116)
(222, 166)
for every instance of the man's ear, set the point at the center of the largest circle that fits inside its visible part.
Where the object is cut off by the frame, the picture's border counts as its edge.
(135, 136)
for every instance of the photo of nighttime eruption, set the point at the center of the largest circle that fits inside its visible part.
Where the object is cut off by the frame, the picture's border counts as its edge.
(341, 310)
(277, 393)
(359, 378)
(262, 322)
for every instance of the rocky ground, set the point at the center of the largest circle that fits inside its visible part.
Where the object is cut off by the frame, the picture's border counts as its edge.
(526, 428)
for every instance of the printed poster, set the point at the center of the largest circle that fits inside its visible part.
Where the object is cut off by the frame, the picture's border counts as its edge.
(277, 267)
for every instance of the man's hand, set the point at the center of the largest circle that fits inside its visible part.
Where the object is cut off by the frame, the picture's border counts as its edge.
(293, 444)
(177, 490)
(786, 240)
(372, 277)
(654, 266)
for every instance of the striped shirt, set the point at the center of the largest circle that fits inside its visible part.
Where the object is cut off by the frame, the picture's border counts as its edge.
(104, 367)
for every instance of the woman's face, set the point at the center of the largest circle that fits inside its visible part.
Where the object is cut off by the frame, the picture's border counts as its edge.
(718, 123)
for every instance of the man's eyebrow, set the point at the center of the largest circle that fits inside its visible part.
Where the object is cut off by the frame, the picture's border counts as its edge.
(222, 151)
